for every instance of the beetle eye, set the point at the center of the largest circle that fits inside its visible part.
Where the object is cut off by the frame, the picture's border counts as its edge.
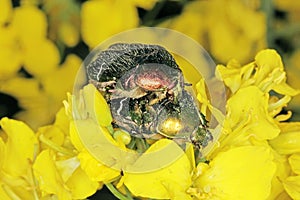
(171, 126)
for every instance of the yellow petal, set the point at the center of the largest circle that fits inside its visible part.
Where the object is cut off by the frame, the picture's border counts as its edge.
(96, 17)
(251, 103)
(66, 73)
(67, 167)
(10, 53)
(62, 121)
(96, 170)
(30, 22)
(100, 144)
(288, 141)
(52, 133)
(6, 8)
(235, 76)
(21, 147)
(75, 139)
(69, 34)
(81, 185)
(235, 175)
(285, 89)
(41, 57)
(289, 126)
(49, 180)
(96, 105)
(231, 77)
(206, 104)
(292, 186)
(267, 61)
(294, 161)
(163, 180)
(146, 4)
(2, 152)
(282, 172)
(3, 193)
(37, 106)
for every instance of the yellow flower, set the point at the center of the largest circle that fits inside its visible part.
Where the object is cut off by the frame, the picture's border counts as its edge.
(24, 43)
(282, 172)
(40, 104)
(96, 106)
(81, 185)
(146, 4)
(64, 21)
(50, 182)
(17, 155)
(190, 17)
(287, 4)
(293, 74)
(294, 161)
(286, 144)
(164, 182)
(234, 75)
(220, 25)
(267, 73)
(96, 18)
(248, 109)
(68, 167)
(239, 173)
(96, 170)
(29, 28)
(288, 141)
(21, 147)
(6, 13)
(63, 178)
(292, 186)
(10, 55)
(253, 117)
(91, 138)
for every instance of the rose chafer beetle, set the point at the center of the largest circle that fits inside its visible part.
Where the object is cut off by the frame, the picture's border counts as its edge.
(145, 90)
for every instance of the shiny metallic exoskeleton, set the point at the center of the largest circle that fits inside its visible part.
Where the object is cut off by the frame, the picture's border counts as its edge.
(146, 92)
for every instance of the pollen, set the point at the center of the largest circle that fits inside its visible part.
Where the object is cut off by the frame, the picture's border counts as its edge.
(171, 126)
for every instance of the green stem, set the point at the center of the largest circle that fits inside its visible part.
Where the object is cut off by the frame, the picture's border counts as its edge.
(268, 8)
(141, 145)
(287, 31)
(116, 193)
(56, 147)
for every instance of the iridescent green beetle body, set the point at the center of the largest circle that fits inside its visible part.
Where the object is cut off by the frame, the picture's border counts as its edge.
(145, 89)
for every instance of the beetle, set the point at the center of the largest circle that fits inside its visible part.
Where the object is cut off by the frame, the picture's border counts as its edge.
(145, 89)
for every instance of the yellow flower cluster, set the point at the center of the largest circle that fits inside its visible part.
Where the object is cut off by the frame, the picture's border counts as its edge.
(251, 145)
(24, 44)
(217, 25)
(256, 156)
(97, 23)
(257, 152)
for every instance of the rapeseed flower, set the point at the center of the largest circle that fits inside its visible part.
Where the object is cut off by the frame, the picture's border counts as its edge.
(96, 18)
(232, 18)
(95, 24)
(24, 45)
(64, 21)
(255, 153)
(41, 99)
(241, 156)
(68, 161)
